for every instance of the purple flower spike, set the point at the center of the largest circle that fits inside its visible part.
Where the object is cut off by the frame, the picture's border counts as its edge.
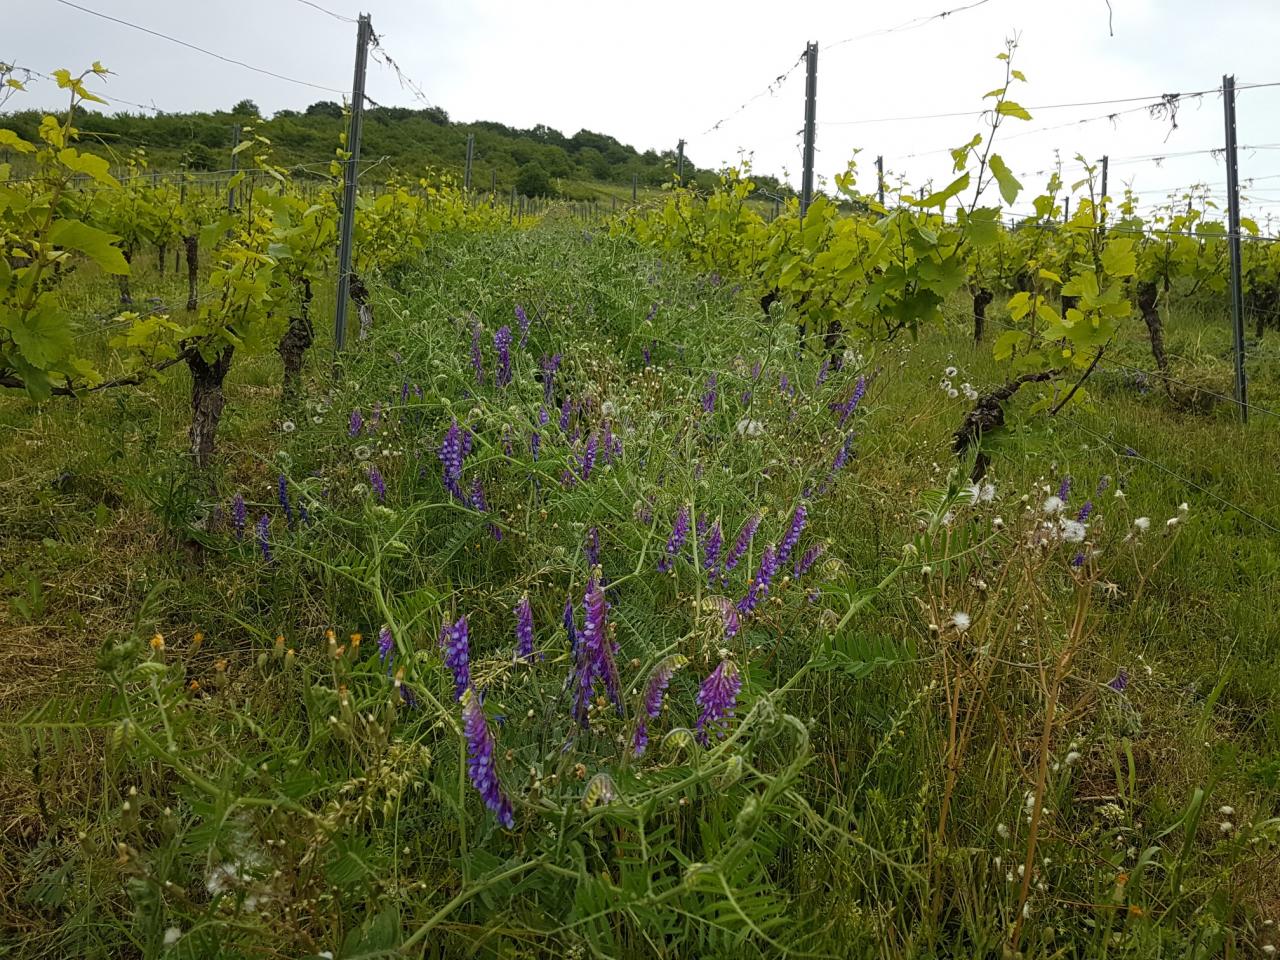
(760, 583)
(264, 544)
(718, 698)
(356, 423)
(522, 321)
(502, 344)
(480, 763)
(1087, 509)
(810, 557)
(451, 458)
(571, 629)
(385, 644)
(455, 648)
(1120, 681)
(238, 515)
(788, 544)
(824, 371)
(654, 693)
(549, 367)
(1064, 489)
(711, 547)
(709, 398)
(282, 489)
(846, 409)
(478, 503)
(566, 409)
(379, 486)
(524, 629)
(588, 462)
(535, 444)
(745, 536)
(477, 358)
(679, 533)
(595, 653)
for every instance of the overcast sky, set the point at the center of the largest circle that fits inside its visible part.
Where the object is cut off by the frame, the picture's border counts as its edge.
(651, 75)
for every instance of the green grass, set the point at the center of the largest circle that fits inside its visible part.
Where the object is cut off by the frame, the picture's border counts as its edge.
(288, 805)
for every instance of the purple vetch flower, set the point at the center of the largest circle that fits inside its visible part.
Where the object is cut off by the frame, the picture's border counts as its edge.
(535, 443)
(1120, 681)
(478, 503)
(711, 547)
(648, 355)
(571, 629)
(760, 583)
(468, 438)
(746, 397)
(404, 393)
(593, 547)
(755, 371)
(1085, 510)
(417, 392)
(451, 455)
(595, 652)
(524, 629)
(679, 533)
(824, 371)
(480, 762)
(455, 649)
(356, 423)
(502, 344)
(792, 537)
(810, 557)
(477, 358)
(740, 545)
(1078, 559)
(264, 522)
(238, 515)
(543, 417)
(566, 410)
(282, 492)
(709, 398)
(651, 705)
(653, 312)
(846, 409)
(549, 367)
(1064, 488)
(718, 698)
(507, 446)
(588, 461)
(842, 457)
(1103, 483)
(303, 515)
(385, 645)
(522, 322)
(378, 484)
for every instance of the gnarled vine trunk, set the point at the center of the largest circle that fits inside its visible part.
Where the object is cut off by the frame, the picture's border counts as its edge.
(207, 401)
(161, 256)
(982, 298)
(1147, 295)
(126, 297)
(192, 245)
(364, 306)
(294, 344)
(987, 415)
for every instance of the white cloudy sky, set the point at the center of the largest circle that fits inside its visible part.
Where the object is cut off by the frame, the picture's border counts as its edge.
(652, 74)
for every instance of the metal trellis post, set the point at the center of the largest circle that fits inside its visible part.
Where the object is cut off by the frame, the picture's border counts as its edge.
(471, 152)
(1233, 240)
(680, 163)
(810, 117)
(363, 31)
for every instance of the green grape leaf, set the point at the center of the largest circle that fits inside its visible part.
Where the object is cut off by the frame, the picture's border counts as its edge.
(88, 164)
(12, 141)
(43, 336)
(97, 245)
(1007, 108)
(1118, 258)
(940, 198)
(1009, 185)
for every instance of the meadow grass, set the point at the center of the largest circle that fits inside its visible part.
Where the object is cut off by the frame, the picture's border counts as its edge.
(895, 782)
